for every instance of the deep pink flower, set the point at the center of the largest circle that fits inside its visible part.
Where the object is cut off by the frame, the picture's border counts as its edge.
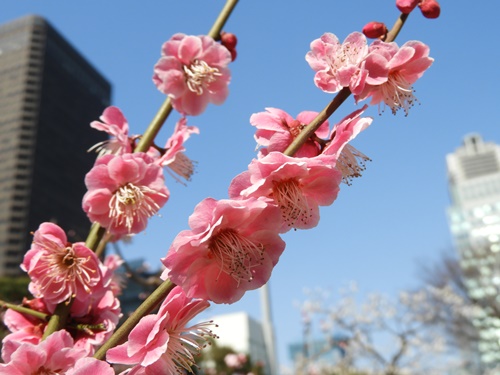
(124, 191)
(232, 247)
(163, 343)
(339, 65)
(404, 66)
(193, 72)
(60, 270)
(24, 328)
(115, 124)
(174, 158)
(101, 316)
(298, 186)
(276, 129)
(55, 355)
(348, 160)
(98, 315)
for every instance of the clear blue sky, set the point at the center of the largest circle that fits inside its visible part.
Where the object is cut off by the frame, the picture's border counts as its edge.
(382, 225)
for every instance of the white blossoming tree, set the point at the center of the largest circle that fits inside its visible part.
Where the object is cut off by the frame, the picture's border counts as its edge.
(383, 336)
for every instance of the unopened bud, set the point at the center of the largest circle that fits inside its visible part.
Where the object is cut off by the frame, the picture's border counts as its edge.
(233, 54)
(228, 40)
(374, 29)
(430, 8)
(406, 6)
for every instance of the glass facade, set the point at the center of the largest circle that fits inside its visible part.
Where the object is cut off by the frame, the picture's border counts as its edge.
(49, 94)
(474, 219)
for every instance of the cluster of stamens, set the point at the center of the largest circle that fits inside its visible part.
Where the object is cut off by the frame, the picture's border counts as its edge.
(291, 201)
(63, 265)
(351, 162)
(236, 254)
(346, 55)
(182, 166)
(132, 203)
(398, 93)
(198, 75)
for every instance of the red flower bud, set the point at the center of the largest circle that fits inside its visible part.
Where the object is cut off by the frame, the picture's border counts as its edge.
(406, 6)
(233, 54)
(430, 8)
(228, 40)
(374, 29)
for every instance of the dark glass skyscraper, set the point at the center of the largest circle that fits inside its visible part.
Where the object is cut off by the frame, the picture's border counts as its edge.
(49, 94)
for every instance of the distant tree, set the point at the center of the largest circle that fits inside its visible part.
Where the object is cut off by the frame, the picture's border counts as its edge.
(464, 315)
(385, 336)
(13, 289)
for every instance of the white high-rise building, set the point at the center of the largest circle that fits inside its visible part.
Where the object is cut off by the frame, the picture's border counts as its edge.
(244, 335)
(474, 217)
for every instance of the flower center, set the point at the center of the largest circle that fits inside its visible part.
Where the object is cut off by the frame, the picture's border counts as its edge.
(351, 163)
(295, 127)
(236, 255)
(346, 54)
(398, 93)
(198, 75)
(291, 201)
(63, 265)
(132, 203)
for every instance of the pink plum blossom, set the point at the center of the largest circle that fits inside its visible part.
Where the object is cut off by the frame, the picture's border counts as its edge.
(163, 343)
(193, 72)
(339, 65)
(124, 191)
(276, 129)
(55, 355)
(404, 66)
(298, 186)
(174, 158)
(60, 270)
(97, 318)
(100, 318)
(115, 124)
(24, 328)
(349, 161)
(232, 247)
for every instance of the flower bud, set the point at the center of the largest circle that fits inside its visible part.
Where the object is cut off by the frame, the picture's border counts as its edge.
(374, 29)
(233, 54)
(430, 8)
(406, 6)
(228, 40)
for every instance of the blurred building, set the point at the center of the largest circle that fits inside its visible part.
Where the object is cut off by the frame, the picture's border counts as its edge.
(48, 96)
(474, 217)
(244, 335)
